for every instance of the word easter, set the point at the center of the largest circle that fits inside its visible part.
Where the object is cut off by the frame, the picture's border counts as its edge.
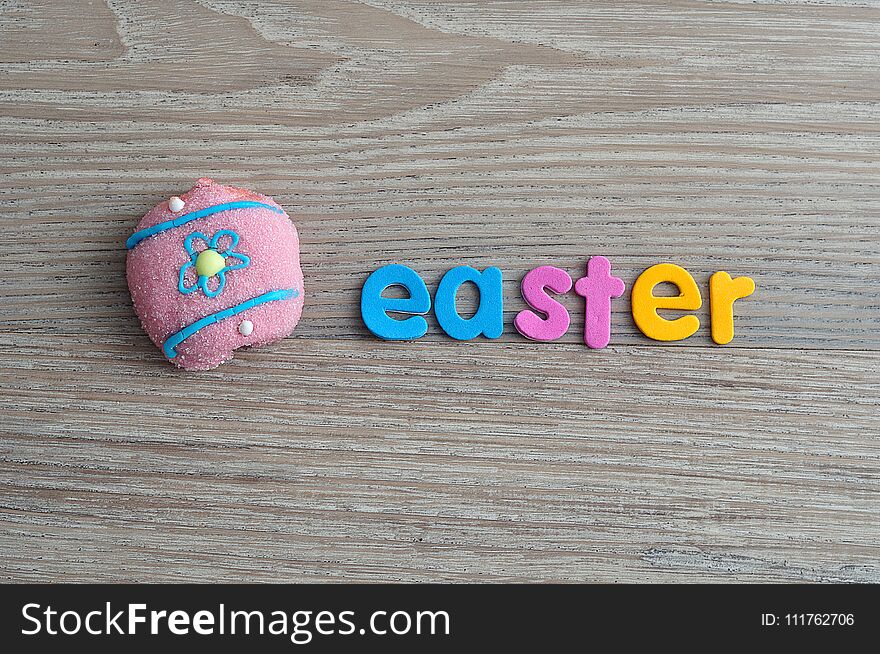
(597, 288)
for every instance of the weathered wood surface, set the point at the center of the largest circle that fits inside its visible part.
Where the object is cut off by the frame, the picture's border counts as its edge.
(718, 135)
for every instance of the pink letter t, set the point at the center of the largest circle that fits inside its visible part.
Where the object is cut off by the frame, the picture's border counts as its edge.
(598, 287)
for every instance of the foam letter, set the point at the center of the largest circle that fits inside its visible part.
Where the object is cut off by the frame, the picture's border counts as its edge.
(489, 318)
(375, 308)
(531, 325)
(598, 287)
(645, 303)
(722, 292)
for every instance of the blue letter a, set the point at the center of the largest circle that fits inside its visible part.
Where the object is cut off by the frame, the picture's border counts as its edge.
(489, 318)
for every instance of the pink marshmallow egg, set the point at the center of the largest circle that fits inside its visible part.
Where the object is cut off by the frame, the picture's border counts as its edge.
(213, 270)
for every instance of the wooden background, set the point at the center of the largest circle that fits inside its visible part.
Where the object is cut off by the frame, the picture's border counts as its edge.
(739, 136)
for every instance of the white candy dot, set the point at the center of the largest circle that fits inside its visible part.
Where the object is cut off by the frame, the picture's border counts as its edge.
(246, 328)
(175, 204)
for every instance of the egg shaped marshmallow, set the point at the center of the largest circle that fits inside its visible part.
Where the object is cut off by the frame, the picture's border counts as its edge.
(212, 270)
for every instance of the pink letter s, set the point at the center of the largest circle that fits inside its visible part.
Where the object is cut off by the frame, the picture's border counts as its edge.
(528, 323)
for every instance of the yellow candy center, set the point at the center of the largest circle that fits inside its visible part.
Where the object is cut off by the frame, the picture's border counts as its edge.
(209, 263)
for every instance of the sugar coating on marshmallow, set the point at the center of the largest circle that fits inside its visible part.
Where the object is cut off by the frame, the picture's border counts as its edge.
(193, 311)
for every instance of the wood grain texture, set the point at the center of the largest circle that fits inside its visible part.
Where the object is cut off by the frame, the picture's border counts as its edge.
(719, 135)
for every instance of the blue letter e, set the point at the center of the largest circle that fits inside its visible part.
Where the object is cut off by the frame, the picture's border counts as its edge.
(489, 318)
(375, 308)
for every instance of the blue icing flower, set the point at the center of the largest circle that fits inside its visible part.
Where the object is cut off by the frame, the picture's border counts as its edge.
(211, 262)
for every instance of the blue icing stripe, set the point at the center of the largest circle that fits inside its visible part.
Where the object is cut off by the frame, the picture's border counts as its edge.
(177, 338)
(137, 237)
